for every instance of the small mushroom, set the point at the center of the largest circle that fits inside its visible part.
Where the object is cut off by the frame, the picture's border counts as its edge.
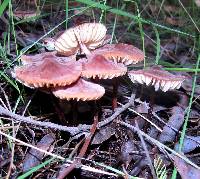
(121, 53)
(47, 70)
(24, 14)
(83, 37)
(157, 77)
(80, 90)
(98, 66)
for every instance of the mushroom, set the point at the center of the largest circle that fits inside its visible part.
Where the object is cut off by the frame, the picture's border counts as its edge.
(121, 53)
(24, 14)
(98, 66)
(47, 70)
(83, 37)
(157, 77)
(80, 90)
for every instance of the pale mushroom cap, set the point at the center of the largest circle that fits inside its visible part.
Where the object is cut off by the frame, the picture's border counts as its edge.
(92, 35)
(98, 66)
(121, 53)
(48, 71)
(81, 90)
(157, 77)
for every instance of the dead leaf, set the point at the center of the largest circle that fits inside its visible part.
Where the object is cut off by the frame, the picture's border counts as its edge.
(103, 134)
(34, 157)
(126, 152)
(189, 144)
(185, 170)
(187, 85)
(175, 121)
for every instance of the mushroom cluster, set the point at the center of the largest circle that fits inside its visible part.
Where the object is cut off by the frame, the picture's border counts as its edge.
(64, 75)
(67, 77)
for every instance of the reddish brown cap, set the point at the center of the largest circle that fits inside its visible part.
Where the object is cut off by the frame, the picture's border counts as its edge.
(27, 59)
(80, 90)
(157, 77)
(91, 35)
(98, 66)
(121, 53)
(48, 70)
(24, 14)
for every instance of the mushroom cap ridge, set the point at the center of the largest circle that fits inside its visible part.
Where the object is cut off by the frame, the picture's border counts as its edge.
(92, 35)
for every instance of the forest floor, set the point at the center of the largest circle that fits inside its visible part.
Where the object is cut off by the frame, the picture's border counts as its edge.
(151, 134)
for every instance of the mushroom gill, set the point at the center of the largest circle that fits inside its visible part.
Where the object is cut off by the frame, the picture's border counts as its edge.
(157, 77)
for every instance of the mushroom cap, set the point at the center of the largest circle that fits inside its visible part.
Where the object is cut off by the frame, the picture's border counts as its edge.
(121, 53)
(28, 59)
(80, 90)
(90, 34)
(157, 77)
(24, 14)
(48, 70)
(98, 66)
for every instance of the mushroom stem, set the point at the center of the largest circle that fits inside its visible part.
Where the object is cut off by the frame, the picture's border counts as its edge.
(60, 113)
(84, 49)
(151, 103)
(74, 111)
(115, 91)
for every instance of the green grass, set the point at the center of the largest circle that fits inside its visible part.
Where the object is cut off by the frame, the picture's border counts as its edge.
(131, 16)
(36, 168)
(188, 110)
(3, 6)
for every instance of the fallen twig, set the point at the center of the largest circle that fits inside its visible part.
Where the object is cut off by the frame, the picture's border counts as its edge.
(71, 130)
(29, 120)
(146, 151)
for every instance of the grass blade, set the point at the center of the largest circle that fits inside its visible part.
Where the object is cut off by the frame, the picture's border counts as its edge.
(124, 13)
(3, 6)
